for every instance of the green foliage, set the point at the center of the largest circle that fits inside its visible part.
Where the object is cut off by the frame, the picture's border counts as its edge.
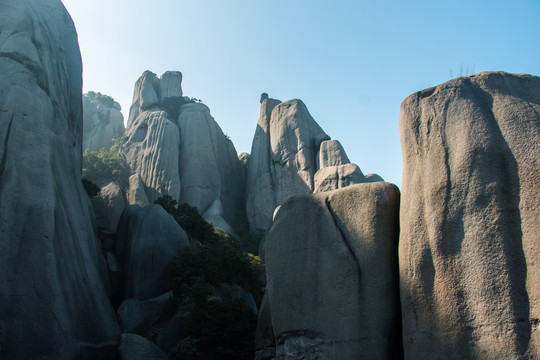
(185, 349)
(172, 105)
(102, 98)
(224, 327)
(90, 188)
(189, 218)
(105, 166)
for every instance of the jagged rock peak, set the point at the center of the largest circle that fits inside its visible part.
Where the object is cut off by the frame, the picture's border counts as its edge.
(291, 155)
(103, 121)
(151, 92)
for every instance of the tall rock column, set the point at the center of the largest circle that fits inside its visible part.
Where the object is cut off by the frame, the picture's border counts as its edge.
(331, 265)
(53, 281)
(470, 215)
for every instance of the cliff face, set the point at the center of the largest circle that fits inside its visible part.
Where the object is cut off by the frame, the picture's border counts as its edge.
(53, 284)
(176, 148)
(470, 218)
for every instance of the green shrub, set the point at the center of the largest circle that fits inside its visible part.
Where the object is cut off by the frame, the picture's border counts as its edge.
(105, 166)
(223, 328)
(102, 98)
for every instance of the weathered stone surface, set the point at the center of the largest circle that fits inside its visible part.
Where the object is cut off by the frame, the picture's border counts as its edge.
(53, 279)
(337, 177)
(373, 178)
(470, 215)
(209, 165)
(170, 85)
(135, 347)
(136, 316)
(331, 153)
(151, 150)
(260, 200)
(148, 240)
(265, 342)
(136, 193)
(111, 205)
(214, 215)
(331, 262)
(283, 158)
(103, 122)
(295, 138)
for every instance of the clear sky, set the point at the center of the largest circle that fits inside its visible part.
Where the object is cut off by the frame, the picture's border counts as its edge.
(352, 62)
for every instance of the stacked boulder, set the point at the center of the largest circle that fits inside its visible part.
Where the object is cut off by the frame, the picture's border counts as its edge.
(174, 147)
(291, 155)
(470, 215)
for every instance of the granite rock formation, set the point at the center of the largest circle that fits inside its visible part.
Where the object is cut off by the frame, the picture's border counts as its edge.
(174, 147)
(291, 155)
(102, 121)
(470, 215)
(148, 239)
(331, 262)
(53, 284)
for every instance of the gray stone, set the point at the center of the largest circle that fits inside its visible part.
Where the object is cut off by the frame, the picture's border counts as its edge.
(137, 193)
(136, 316)
(214, 215)
(209, 166)
(135, 347)
(103, 122)
(373, 178)
(331, 264)
(470, 218)
(283, 158)
(260, 200)
(337, 177)
(145, 95)
(148, 239)
(170, 85)
(112, 204)
(265, 342)
(331, 153)
(151, 149)
(53, 279)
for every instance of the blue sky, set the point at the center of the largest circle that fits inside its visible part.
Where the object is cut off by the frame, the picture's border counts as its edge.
(351, 62)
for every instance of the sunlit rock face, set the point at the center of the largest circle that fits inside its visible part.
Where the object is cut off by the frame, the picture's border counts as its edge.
(175, 147)
(53, 281)
(103, 122)
(332, 272)
(291, 155)
(470, 215)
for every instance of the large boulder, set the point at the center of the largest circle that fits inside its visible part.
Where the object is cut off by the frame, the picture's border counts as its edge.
(102, 120)
(209, 165)
(148, 239)
(470, 215)
(331, 263)
(337, 177)
(108, 206)
(53, 281)
(151, 150)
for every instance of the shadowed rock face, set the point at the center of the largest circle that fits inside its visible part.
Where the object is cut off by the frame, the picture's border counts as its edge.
(103, 122)
(331, 263)
(470, 215)
(53, 296)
